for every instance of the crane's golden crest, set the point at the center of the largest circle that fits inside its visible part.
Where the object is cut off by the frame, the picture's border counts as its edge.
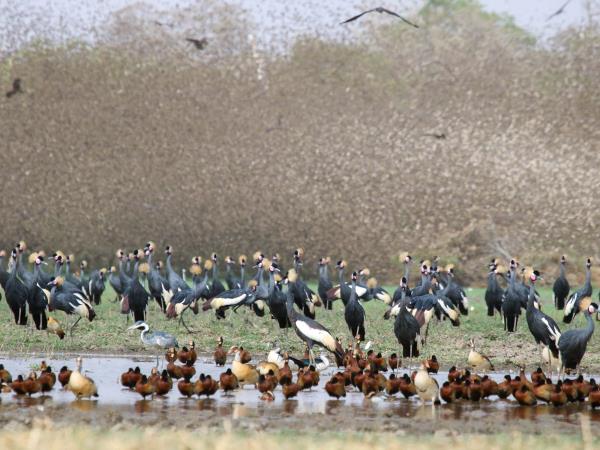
(208, 264)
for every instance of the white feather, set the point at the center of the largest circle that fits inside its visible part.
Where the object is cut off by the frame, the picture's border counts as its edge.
(316, 335)
(554, 332)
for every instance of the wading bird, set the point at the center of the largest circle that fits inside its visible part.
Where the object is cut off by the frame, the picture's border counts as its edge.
(158, 339)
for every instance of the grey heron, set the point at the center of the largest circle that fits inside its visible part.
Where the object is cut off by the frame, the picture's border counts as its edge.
(158, 339)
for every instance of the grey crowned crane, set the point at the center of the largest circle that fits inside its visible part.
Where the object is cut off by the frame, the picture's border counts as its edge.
(16, 292)
(406, 328)
(176, 283)
(3, 273)
(544, 329)
(277, 300)
(135, 296)
(493, 291)
(69, 299)
(325, 283)
(354, 313)
(573, 343)
(96, 285)
(511, 303)
(561, 285)
(424, 287)
(234, 299)
(572, 304)
(455, 292)
(215, 285)
(186, 299)
(304, 297)
(232, 281)
(156, 283)
(308, 330)
(156, 339)
(342, 290)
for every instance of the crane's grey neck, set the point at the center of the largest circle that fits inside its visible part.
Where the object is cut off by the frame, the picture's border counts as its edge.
(243, 276)
(562, 270)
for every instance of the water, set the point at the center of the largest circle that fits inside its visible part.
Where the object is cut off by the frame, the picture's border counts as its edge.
(355, 411)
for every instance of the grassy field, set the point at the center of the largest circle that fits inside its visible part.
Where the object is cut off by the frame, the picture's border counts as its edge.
(83, 438)
(107, 333)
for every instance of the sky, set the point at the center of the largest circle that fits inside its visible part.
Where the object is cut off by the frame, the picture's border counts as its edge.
(79, 16)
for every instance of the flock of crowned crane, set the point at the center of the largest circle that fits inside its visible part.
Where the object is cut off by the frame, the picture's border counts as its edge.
(288, 298)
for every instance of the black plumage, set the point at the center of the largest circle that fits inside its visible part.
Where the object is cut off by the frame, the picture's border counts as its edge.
(157, 284)
(37, 299)
(277, 300)
(407, 331)
(511, 302)
(561, 286)
(325, 283)
(572, 306)
(543, 327)
(135, 295)
(354, 313)
(380, 10)
(573, 343)
(493, 292)
(16, 293)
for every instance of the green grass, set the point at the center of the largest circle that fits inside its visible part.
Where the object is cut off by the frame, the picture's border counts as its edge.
(107, 333)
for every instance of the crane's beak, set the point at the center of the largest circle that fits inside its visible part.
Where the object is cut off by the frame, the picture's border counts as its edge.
(133, 327)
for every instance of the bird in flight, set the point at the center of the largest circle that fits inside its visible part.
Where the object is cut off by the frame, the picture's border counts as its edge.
(16, 88)
(380, 10)
(436, 135)
(200, 44)
(164, 24)
(559, 10)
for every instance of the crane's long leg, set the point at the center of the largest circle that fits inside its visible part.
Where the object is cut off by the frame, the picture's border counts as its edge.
(73, 326)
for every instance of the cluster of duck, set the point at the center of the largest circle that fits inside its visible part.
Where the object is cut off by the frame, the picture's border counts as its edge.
(43, 381)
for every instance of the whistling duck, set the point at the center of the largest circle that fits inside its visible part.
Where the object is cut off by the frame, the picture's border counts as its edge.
(505, 387)
(488, 386)
(570, 390)
(478, 361)
(572, 306)
(433, 364)
(370, 386)
(558, 397)
(407, 387)
(210, 386)
(228, 381)
(561, 286)
(144, 387)
(54, 327)
(47, 379)
(264, 367)
(32, 385)
(544, 329)
(130, 378)
(543, 391)
(188, 370)
(80, 385)
(392, 385)
(594, 396)
(188, 354)
(164, 384)
(245, 356)
(538, 377)
(5, 376)
(17, 386)
(583, 388)
(525, 397)
(573, 343)
(186, 387)
(220, 355)
(290, 390)
(335, 389)
(473, 390)
(524, 380)
(457, 386)
(245, 373)
(447, 393)
(394, 362)
(285, 374)
(64, 375)
(264, 384)
(453, 373)
(307, 378)
(427, 387)
(493, 292)
(173, 369)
